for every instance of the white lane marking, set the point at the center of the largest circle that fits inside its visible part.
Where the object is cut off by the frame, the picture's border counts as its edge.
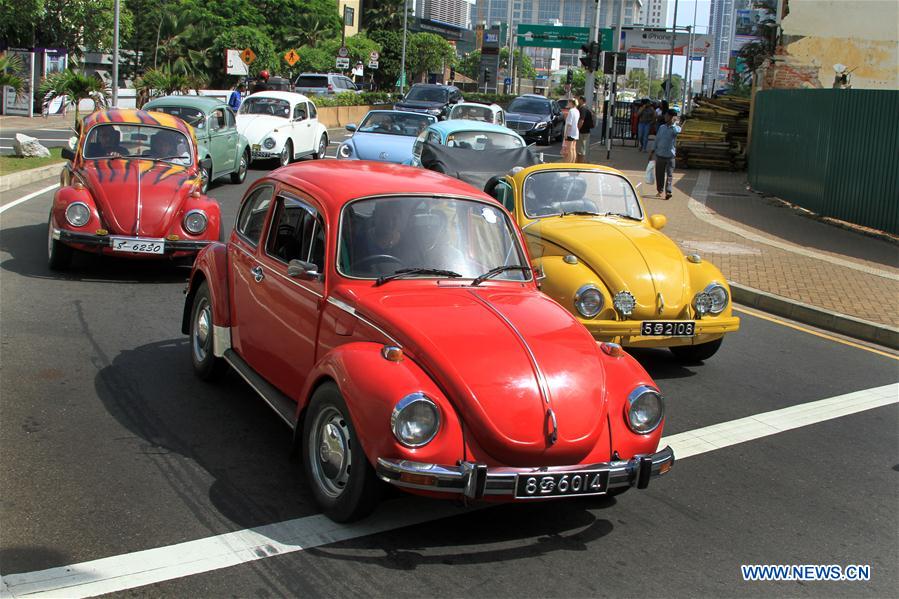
(30, 196)
(131, 570)
(41, 138)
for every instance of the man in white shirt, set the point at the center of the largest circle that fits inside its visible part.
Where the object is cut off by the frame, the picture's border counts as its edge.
(569, 146)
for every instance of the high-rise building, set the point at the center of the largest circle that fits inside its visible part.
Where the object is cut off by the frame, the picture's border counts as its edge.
(721, 28)
(451, 12)
(654, 13)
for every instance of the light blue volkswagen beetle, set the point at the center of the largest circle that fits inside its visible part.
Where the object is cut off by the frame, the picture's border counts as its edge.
(385, 136)
(464, 133)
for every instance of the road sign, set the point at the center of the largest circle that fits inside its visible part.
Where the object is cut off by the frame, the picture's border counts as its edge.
(343, 52)
(373, 57)
(373, 64)
(291, 57)
(248, 56)
(507, 81)
(607, 40)
(549, 36)
(342, 63)
(234, 64)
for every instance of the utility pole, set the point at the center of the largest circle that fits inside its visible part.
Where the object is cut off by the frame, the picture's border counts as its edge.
(591, 75)
(688, 101)
(509, 29)
(612, 96)
(115, 56)
(671, 57)
(403, 59)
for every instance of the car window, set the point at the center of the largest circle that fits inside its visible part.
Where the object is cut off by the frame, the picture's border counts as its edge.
(191, 116)
(483, 140)
(313, 112)
(217, 119)
(554, 192)
(137, 141)
(349, 84)
(251, 220)
(312, 81)
(472, 112)
(427, 94)
(266, 106)
(530, 106)
(503, 192)
(229, 118)
(297, 233)
(409, 124)
(434, 137)
(299, 111)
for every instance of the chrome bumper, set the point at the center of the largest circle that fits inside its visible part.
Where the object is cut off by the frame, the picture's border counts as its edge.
(180, 245)
(477, 480)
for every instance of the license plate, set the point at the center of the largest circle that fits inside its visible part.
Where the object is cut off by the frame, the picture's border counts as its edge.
(137, 246)
(561, 484)
(668, 328)
(256, 147)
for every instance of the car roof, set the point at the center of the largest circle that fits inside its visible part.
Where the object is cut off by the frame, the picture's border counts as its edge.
(563, 166)
(440, 85)
(539, 96)
(491, 105)
(455, 125)
(289, 96)
(199, 102)
(130, 116)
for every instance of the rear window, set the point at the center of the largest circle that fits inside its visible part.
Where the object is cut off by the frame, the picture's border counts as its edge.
(312, 81)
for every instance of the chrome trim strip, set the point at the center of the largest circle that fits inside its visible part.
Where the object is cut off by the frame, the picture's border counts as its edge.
(340, 304)
(139, 205)
(221, 340)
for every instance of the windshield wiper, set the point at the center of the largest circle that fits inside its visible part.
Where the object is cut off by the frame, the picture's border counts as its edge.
(405, 272)
(498, 270)
(619, 215)
(581, 213)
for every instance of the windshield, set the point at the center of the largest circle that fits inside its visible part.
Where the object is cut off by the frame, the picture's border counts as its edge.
(312, 81)
(472, 113)
(529, 106)
(137, 141)
(269, 106)
(483, 140)
(395, 123)
(382, 235)
(555, 192)
(427, 94)
(191, 116)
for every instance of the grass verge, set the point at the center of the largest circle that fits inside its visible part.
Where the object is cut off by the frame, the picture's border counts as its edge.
(12, 164)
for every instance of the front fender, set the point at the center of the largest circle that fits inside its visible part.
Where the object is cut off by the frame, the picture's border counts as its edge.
(65, 196)
(371, 386)
(623, 375)
(563, 281)
(701, 275)
(211, 265)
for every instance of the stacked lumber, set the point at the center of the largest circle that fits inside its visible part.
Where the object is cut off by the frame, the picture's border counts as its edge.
(714, 135)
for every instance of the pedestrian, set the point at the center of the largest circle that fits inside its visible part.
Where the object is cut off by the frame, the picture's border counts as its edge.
(236, 97)
(572, 118)
(661, 111)
(646, 115)
(663, 149)
(585, 125)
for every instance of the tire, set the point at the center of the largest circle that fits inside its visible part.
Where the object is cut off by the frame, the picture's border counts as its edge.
(206, 176)
(343, 483)
(202, 336)
(238, 176)
(322, 148)
(59, 255)
(696, 353)
(286, 156)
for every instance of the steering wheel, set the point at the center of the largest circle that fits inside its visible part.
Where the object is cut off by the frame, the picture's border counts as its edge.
(376, 258)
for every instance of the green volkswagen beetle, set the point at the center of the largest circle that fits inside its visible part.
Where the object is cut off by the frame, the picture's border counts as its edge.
(217, 137)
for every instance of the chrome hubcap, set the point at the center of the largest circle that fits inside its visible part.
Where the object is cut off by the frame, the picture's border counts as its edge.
(321, 148)
(330, 452)
(243, 166)
(202, 328)
(50, 240)
(285, 156)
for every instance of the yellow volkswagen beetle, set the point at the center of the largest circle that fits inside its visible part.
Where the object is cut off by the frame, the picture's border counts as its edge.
(605, 260)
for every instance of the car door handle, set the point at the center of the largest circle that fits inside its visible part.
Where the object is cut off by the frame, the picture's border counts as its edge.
(257, 273)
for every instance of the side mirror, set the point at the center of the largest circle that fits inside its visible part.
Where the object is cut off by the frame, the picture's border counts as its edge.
(657, 221)
(299, 269)
(351, 127)
(206, 163)
(67, 153)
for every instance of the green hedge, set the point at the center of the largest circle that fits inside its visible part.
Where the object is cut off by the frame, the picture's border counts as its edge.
(351, 99)
(502, 99)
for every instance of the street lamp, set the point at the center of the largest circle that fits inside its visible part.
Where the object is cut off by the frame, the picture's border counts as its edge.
(115, 56)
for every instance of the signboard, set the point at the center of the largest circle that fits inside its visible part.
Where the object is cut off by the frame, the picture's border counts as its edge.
(607, 40)
(248, 56)
(373, 65)
(291, 57)
(373, 57)
(550, 36)
(21, 105)
(234, 64)
(342, 63)
(358, 70)
(343, 52)
(639, 41)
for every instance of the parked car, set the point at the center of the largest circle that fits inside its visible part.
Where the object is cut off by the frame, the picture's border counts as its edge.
(385, 136)
(537, 118)
(430, 98)
(132, 188)
(321, 84)
(466, 134)
(608, 262)
(473, 111)
(395, 326)
(215, 126)
(282, 126)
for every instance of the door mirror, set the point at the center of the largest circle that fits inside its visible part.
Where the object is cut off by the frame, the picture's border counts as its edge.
(206, 163)
(67, 153)
(351, 127)
(299, 269)
(657, 221)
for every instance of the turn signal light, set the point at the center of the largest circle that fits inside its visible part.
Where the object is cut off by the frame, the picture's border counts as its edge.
(77, 184)
(419, 479)
(172, 237)
(392, 353)
(101, 232)
(612, 349)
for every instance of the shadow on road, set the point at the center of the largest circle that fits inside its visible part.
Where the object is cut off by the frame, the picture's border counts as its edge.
(27, 246)
(661, 363)
(28, 558)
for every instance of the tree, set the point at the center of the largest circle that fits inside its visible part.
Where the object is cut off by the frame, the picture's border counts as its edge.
(73, 87)
(165, 82)
(77, 24)
(470, 65)
(391, 43)
(244, 37)
(383, 15)
(427, 53)
(638, 81)
(578, 83)
(10, 69)
(312, 30)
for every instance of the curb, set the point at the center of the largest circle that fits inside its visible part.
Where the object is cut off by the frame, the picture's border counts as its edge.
(818, 317)
(31, 175)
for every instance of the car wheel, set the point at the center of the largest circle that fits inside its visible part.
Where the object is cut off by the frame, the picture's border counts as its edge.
(286, 154)
(696, 353)
(343, 482)
(322, 147)
(59, 255)
(202, 335)
(241, 173)
(205, 178)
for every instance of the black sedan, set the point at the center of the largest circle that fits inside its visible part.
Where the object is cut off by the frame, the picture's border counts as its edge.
(536, 118)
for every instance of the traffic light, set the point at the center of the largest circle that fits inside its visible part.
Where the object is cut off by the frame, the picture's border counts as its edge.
(590, 60)
(452, 74)
(486, 75)
(569, 78)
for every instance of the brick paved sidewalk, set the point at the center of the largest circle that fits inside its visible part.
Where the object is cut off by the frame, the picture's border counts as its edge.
(760, 244)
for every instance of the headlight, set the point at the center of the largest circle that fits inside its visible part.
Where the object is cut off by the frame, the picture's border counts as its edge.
(415, 420)
(625, 303)
(435, 111)
(344, 151)
(195, 222)
(702, 303)
(540, 126)
(718, 295)
(645, 410)
(77, 213)
(269, 143)
(588, 301)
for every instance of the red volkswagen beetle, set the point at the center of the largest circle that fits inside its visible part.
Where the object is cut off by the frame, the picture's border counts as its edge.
(132, 188)
(390, 317)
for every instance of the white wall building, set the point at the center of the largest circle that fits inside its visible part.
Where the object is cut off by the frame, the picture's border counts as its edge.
(452, 12)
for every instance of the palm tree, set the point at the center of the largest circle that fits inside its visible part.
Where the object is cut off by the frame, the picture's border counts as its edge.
(74, 87)
(312, 29)
(163, 82)
(384, 14)
(10, 66)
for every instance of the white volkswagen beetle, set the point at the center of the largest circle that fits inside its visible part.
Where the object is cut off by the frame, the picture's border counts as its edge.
(282, 126)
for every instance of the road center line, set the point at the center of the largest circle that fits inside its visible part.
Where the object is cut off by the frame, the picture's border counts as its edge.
(131, 570)
(24, 199)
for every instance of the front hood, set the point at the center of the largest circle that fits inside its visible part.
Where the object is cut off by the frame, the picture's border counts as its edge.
(420, 104)
(381, 147)
(526, 117)
(498, 352)
(137, 197)
(627, 255)
(256, 127)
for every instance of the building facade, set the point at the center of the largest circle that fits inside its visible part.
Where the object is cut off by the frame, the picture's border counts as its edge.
(721, 28)
(350, 12)
(456, 13)
(654, 13)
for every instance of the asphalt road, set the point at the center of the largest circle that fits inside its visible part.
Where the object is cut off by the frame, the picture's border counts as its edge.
(57, 136)
(110, 446)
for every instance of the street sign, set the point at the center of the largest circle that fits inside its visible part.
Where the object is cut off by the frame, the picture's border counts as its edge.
(291, 57)
(343, 52)
(342, 63)
(607, 40)
(640, 41)
(373, 64)
(234, 64)
(549, 36)
(248, 56)
(373, 57)
(358, 70)
(507, 81)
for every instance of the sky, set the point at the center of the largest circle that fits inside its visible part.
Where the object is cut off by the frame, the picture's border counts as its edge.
(685, 10)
